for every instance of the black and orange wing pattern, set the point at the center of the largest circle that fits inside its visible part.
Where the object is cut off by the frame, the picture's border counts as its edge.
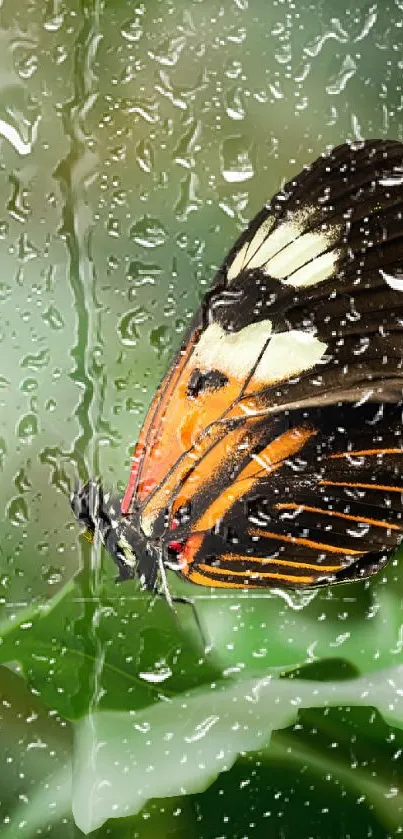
(271, 455)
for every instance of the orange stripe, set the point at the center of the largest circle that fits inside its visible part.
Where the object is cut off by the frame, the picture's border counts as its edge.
(311, 566)
(271, 458)
(364, 452)
(360, 486)
(202, 580)
(207, 569)
(189, 551)
(149, 431)
(273, 455)
(299, 540)
(195, 468)
(375, 522)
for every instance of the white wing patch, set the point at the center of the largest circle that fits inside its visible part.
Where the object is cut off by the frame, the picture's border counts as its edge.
(232, 353)
(314, 272)
(236, 354)
(287, 355)
(396, 283)
(289, 255)
(238, 263)
(260, 236)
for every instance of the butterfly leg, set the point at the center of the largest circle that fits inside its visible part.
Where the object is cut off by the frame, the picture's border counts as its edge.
(187, 601)
(171, 600)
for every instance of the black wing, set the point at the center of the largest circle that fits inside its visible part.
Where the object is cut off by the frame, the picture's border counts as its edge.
(297, 481)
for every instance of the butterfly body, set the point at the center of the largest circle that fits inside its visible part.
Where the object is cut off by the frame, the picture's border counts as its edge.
(272, 452)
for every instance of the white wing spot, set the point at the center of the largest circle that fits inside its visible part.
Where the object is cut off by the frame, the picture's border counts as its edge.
(233, 353)
(396, 283)
(314, 272)
(236, 353)
(237, 265)
(304, 249)
(259, 237)
(287, 355)
(282, 236)
(288, 254)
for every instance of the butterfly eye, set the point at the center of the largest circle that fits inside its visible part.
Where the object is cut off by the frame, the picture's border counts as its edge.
(200, 382)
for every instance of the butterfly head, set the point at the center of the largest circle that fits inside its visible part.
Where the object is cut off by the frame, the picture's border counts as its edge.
(100, 513)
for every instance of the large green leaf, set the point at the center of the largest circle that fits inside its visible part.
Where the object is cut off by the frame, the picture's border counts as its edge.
(179, 746)
(120, 649)
(110, 651)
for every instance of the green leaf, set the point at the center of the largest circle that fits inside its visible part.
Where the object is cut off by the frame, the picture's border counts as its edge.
(179, 746)
(110, 651)
(36, 749)
(120, 649)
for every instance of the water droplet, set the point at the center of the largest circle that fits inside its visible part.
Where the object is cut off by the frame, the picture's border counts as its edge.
(188, 200)
(54, 16)
(18, 206)
(236, 35)
(113, 227)
(160, 339)
(169, 51)
(19, 118)
(52, 576)
(35, 362)
(26, 63)
(3, 451)
(22, 482)
(4, 229)
(236, 160)
(27, 427)
(127, 328)
(118, 153)
(337, 33)
(26, 250)
(53, 318)
(132, 30)
(234, 104)
(148, 232)
(338, 83)
(28, 385)
(145, 155)
(5, 292)
(370, 19)
(202, 728)
(156, 676)
(17, 511)
(233, 69)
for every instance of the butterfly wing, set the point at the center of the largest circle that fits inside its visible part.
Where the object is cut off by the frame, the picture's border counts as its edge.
(329, 511)
(303, 324)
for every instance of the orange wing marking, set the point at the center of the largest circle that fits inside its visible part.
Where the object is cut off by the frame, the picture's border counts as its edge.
(195, 468)
(303, 507)
(261, 559)
(299, 540)
(272, 456)
(149, 432)
(207, 577)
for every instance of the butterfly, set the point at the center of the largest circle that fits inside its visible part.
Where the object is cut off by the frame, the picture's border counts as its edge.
(271, 454)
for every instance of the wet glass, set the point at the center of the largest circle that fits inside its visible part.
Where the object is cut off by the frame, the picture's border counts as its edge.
(136, 142)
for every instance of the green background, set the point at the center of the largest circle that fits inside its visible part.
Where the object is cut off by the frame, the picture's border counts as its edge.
(136, 141)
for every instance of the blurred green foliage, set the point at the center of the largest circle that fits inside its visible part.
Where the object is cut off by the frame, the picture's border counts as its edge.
(136, 140)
